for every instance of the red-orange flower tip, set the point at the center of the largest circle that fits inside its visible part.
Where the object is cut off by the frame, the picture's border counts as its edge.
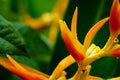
(114, 22)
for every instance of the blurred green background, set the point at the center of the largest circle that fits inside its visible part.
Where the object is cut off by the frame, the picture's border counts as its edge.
(37, 52)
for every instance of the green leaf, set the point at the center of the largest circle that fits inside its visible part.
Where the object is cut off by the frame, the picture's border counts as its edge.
(10, 40)
(36, 46)
(104, 67)
(7, 47)
(5, 8)
(117, 70)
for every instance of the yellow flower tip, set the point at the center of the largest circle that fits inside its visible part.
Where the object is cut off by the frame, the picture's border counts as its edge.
(63, 28)
(114, 21)
(74, 23)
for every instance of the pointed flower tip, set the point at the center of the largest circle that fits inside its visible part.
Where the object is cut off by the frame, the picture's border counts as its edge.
(61, 24)
(76, 9)
(114, 22)
(14, 63)
(74, 23)
(64, 28)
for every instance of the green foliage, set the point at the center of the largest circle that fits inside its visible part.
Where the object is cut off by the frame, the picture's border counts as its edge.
(19, 39)
(34, 44)
(104, 67)
(10, 40)
(37, 8)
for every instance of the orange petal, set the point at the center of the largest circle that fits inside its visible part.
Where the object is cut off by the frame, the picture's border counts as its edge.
(114, 22)
(22, 71)
(72, 44)
(15, 64)
(66, 62)
(92, 32)
(116, 53)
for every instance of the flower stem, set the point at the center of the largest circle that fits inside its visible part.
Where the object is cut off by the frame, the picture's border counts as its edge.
(67, 61)
(110, 42)
(81, 73)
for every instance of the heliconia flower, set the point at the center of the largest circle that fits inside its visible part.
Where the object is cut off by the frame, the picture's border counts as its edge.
(25, 72)
(83, 53)
(76, 49)
(114, 22)
(114, 25)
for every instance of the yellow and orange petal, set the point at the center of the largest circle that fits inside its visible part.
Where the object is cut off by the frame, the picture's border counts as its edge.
(70, 39)
(92, 32)
(71, 42)
(22, 71)
(63, 64)
(74, 24)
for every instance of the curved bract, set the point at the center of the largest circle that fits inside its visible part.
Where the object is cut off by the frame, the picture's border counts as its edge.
(21, 70)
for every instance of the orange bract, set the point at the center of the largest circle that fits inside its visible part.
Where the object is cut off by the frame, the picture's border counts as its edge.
(22, 71)
(70, 39)
(114, 22)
